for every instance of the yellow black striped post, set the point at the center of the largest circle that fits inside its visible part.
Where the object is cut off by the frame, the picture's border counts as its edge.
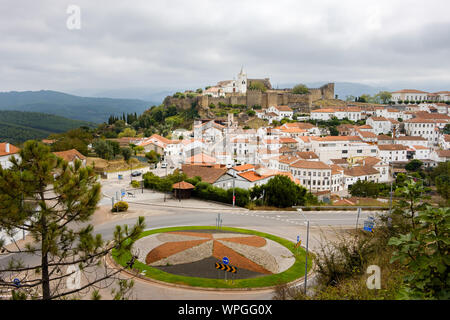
(226, 268)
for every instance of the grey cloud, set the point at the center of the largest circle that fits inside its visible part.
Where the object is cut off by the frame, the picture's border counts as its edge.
(184, 44)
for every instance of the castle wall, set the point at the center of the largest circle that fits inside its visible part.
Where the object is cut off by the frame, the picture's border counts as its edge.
(298, 102)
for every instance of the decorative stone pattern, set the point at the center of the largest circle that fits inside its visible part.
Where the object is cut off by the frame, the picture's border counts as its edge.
(247, 252)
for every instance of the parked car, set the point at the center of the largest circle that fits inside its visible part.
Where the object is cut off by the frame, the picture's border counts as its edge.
(163, 165)
(136, 173)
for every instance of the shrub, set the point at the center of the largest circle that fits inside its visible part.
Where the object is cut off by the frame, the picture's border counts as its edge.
(135, 184)
(120, 206)
(300, 89)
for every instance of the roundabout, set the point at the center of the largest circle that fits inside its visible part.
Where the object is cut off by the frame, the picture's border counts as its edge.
(188, 257)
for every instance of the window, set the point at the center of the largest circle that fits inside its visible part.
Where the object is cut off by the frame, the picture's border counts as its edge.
(359, 151)
(344, 151)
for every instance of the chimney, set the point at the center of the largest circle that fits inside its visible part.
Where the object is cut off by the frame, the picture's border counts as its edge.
(7, 147)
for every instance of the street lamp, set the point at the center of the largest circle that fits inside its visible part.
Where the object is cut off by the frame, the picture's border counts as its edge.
(307, 243)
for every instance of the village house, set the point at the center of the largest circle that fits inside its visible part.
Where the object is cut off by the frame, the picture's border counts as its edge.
(393, 153)
(337, 147)
(71, 156)
(7, 151)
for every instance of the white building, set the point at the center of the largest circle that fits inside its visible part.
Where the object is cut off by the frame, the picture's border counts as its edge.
(341, 147)
(380, 125)
(363, 173)
(313, 175)
(392, 152)
(237, 85)
(7, 151)
(427, 128)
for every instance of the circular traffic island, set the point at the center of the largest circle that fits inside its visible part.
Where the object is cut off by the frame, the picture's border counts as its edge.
(215, 258)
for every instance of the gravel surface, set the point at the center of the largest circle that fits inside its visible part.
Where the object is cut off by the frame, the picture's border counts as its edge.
(206, 268)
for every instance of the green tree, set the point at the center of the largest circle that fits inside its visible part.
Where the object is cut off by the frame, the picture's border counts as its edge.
(48, 198)
(424, 251)
(300, 89)
(103, 149)
(383, 97)
(447, 129)
(127, 132)
(414, 165)
(152, 156)
(363, 188)
(126, 153)
(282, 192)
(257, 85)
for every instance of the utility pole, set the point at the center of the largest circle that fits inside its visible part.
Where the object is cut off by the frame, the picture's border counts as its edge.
(234, 178)
(306, 257)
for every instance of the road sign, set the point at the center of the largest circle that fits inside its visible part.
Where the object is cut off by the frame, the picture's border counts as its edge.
(16, 282)
(368, 225)
(225, 267)
(298, 244)
(298, 238)
(225, 260)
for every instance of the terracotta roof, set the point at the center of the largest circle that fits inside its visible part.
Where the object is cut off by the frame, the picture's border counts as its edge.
(323, 111)
(12, 149)
(443, 153)
(366, 134)
(183, 185)
(384, 137)
(339, 161)
(336, 169)
(201, 158)
(339, 138)
(307, 155)
(378, 119)
(69, 155)
(410, 138)
(244, 167)
(427, 115)
(409, 91)
(366, 126)
(447, 137)
(420, 148)
(369, 161)
(292, 130)
(305, 164)
(283, 108)
(360, 171)
(252, 176)
(208, 174)
(392, 147)
(288, 140)
(301, 125)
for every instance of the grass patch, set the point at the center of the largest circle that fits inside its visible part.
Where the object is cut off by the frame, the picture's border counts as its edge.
(296, 271)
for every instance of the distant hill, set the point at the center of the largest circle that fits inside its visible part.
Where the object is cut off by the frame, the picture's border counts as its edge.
(70, 106)
(17, 126)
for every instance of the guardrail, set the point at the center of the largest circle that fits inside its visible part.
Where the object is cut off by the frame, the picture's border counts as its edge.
(346, 208)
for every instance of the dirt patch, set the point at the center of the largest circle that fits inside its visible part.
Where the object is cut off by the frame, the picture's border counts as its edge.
(206, 269)
(167, 249)
(253, 241)
(237, 260)
(194, 234)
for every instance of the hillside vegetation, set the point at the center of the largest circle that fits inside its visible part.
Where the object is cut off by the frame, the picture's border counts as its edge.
(16, 127)
(69, 106)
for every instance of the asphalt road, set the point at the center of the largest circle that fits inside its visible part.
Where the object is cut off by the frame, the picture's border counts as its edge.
(324, 225)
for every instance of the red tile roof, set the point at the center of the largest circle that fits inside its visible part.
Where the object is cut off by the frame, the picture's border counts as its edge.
(12, 149)
(69, 155)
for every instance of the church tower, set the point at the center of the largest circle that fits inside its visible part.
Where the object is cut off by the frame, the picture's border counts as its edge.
(242, 81)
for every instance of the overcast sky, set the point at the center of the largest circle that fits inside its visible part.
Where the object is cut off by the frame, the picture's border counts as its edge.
(188, 44)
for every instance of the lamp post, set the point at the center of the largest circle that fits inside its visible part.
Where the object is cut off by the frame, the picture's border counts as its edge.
(306, 257)
(234, 178)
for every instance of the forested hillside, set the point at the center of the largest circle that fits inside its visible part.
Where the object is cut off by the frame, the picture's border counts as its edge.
(69, 106)
(17, 127)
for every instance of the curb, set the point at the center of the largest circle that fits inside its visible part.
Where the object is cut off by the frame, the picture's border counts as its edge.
(181, 286)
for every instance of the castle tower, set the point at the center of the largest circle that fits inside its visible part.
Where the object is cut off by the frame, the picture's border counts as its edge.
(242, 81)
